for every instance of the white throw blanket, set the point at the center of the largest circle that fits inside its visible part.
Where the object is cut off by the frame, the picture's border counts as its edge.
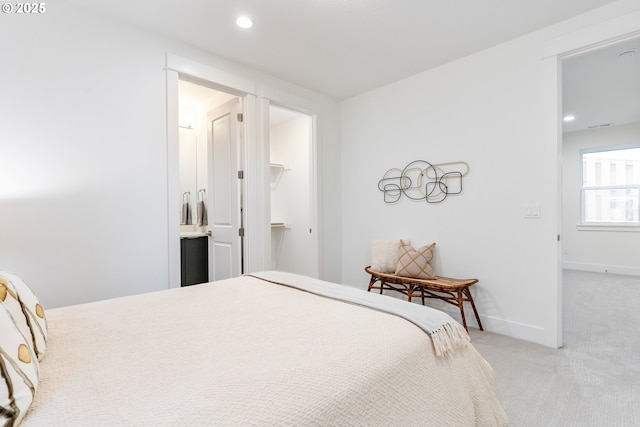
(446, 334)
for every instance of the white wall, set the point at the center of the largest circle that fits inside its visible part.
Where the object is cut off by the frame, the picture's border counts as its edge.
(490, 109)
(592, 249)
(83, 200)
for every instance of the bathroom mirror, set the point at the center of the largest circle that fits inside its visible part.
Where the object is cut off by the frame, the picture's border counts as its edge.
(188, 154)
(194, 104)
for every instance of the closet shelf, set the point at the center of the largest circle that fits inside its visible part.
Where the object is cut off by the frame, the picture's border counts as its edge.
(276, 173)
(279, 166)
(280, 225)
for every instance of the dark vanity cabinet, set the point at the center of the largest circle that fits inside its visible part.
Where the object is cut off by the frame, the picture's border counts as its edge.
(194, 256)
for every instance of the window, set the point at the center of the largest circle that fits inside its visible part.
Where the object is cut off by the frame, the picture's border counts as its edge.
(610, 190)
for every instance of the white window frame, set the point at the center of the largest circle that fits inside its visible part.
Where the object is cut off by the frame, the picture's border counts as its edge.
(611, 225)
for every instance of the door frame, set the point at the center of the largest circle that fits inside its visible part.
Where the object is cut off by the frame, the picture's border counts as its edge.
(257, 243)
(554, 51)
(177, 67)
(313, 178)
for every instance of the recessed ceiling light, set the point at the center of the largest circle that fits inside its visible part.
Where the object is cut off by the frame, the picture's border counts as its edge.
(244, 22)
(569, 118)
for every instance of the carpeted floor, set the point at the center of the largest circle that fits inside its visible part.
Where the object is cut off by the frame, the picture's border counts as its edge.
(594, 380)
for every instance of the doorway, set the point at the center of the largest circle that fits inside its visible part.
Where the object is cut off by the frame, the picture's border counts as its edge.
(210, 194)
(600, 90)
(293, 242)
(254, 154)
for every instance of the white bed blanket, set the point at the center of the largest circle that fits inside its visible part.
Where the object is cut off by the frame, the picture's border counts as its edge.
(243, 352)
(446, 334)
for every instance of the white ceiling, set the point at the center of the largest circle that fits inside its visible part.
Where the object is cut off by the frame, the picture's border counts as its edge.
(199, 96)
(601, 87)
(342, 47)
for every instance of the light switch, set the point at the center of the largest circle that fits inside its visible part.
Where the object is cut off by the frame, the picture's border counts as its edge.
(532, 211)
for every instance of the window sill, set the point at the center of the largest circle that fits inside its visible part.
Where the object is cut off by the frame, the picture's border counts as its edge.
(596, 227)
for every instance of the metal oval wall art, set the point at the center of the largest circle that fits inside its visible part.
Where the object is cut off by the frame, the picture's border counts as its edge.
(421, 180)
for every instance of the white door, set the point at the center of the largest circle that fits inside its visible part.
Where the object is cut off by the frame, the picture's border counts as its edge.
(224, 217)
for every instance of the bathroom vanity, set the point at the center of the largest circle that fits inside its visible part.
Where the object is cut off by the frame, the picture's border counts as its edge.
(194, 258)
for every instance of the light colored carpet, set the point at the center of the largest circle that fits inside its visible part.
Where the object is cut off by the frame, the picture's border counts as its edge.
(594, 380)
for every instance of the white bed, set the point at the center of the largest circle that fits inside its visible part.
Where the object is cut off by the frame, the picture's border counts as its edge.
(247, 351)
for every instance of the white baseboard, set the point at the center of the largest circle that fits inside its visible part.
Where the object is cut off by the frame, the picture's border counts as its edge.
(521, 331)
(601, 268)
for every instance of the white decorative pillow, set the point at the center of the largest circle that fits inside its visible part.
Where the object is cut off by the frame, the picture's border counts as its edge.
(19, 371)
(25, 310)
(10, 300)
(415, 263)
(384, 255)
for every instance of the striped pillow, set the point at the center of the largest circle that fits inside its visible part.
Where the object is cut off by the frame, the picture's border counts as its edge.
(19, 371)
(26, 311)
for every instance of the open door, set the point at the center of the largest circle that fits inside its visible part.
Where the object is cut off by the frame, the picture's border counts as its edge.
(225, 216)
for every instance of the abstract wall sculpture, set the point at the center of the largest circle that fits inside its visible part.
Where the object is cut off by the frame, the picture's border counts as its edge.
(421, 180)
